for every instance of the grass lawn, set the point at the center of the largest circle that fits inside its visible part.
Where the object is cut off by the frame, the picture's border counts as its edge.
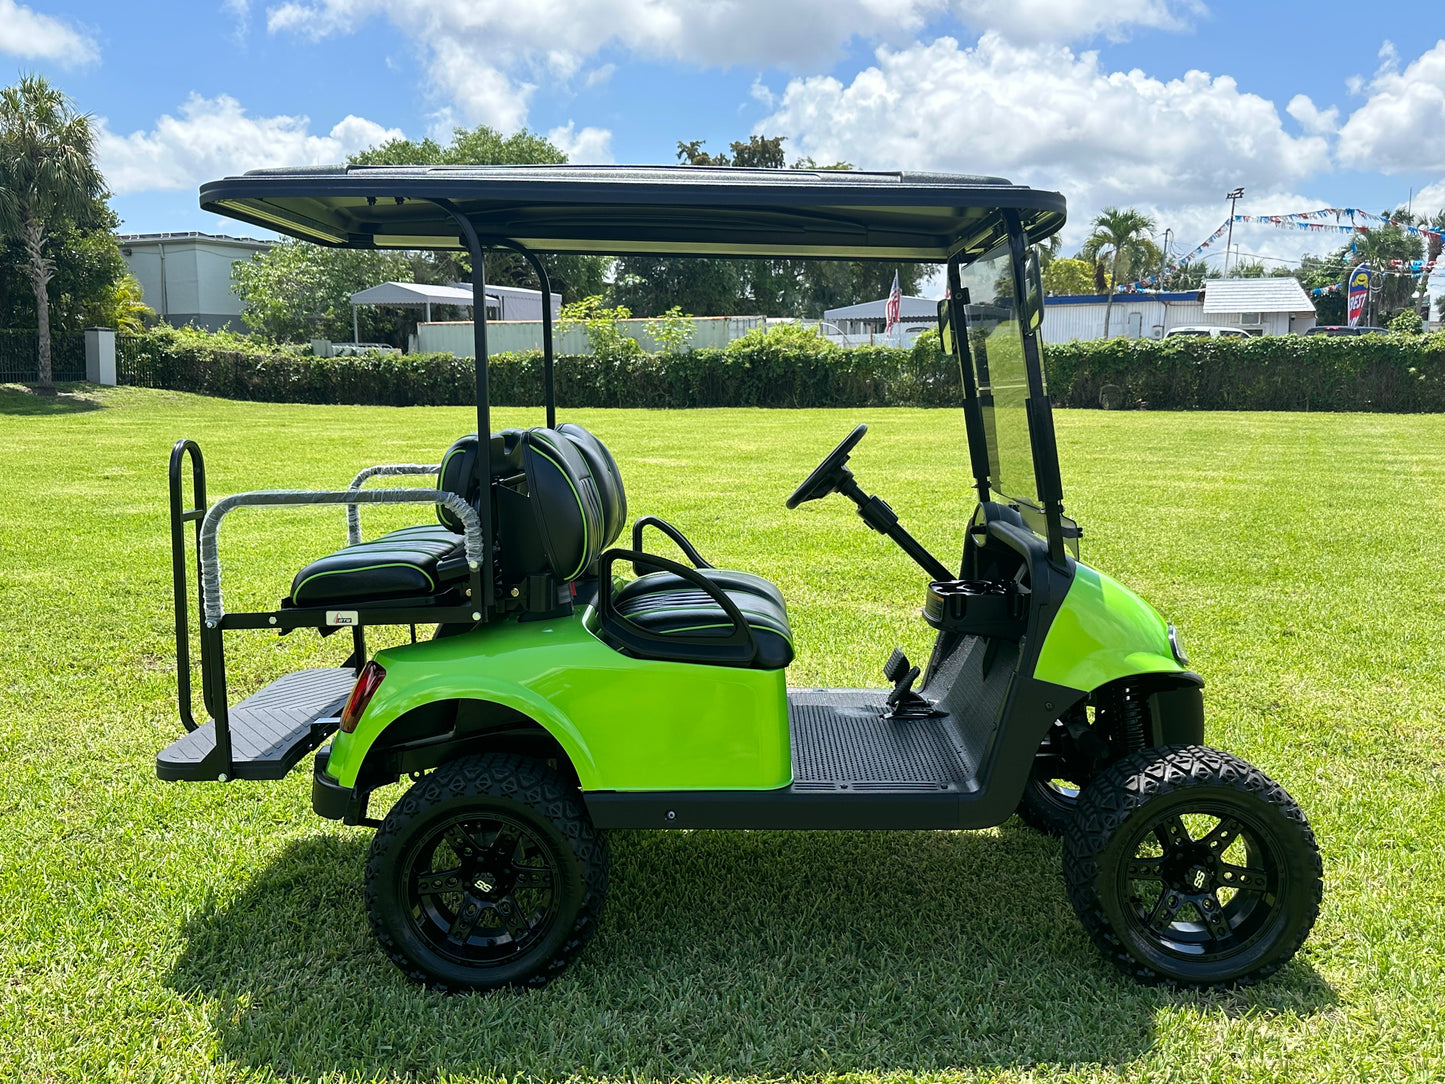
(156, 931)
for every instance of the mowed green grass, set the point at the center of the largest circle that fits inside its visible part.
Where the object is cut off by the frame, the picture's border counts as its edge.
(154, 931)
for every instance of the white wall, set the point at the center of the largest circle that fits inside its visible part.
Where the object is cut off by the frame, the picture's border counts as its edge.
(514, 336)
(197, 279)
(1149, 318)
(1132, 317)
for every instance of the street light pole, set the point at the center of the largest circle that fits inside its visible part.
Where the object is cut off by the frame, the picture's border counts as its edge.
(1234, 196)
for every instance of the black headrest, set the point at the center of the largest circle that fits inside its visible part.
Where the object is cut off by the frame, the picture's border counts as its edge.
(605, 474)
(564, 531)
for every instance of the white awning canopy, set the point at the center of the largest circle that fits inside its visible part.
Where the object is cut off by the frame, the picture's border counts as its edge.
(412, 293)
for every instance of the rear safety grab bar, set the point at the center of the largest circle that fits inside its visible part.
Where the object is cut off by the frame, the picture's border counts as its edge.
(673, 533)
(740, 643)
(211, 603)
(353, 513)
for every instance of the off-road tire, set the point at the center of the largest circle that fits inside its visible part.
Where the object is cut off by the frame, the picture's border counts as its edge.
(1270, 911)
(549, 814)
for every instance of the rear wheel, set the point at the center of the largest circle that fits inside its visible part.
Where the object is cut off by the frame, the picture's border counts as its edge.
(1189, 866)
(486, 873)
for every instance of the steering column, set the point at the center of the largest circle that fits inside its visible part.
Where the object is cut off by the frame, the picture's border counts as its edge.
(833, 475)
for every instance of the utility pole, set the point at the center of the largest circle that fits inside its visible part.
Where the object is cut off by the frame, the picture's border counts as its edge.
(1164, 256)
(1234, 196)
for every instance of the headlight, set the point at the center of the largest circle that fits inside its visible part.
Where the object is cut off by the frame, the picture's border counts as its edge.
(1176, 644)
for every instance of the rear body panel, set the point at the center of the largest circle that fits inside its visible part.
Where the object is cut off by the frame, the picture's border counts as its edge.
(625, 724)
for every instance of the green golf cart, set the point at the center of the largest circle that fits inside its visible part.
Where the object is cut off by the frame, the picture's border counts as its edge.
(571, 686)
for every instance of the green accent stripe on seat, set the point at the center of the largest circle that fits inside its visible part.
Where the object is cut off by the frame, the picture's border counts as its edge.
(364, 568)
(700, 628)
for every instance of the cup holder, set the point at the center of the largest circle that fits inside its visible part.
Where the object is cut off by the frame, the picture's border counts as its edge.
(977, 607)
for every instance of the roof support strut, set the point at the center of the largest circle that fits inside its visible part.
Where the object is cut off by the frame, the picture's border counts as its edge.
(484, 409)
(548, 390)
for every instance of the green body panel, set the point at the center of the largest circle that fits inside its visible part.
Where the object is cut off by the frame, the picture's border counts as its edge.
(1103, 632)
(626, 724)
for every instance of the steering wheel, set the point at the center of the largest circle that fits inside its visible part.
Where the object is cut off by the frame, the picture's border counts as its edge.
(827, 474)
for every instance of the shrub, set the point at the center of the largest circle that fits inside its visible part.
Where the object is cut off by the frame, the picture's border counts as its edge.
(1407, 322)
(1394, 373)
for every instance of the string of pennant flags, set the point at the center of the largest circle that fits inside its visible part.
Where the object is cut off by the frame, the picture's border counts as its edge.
(1346, 220)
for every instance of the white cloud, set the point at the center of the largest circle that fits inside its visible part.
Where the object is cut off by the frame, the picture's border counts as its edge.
(240, 11)
(1047, 116)
(26, 33)
(214, 137)
(589, 146)
(485, 57)
(597, 76)
(1034, 21)
(1312, 118)
(1398, 129)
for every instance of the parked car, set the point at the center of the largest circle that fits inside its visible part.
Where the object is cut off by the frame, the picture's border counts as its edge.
(1213, 331)
(1337, 329)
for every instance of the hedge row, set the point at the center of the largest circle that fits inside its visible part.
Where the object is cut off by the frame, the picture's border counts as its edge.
(1394, 373)
(868, 376)
(1388, 373)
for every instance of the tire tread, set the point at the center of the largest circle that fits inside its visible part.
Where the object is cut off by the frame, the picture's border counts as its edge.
(1128, 785)
(519, 778)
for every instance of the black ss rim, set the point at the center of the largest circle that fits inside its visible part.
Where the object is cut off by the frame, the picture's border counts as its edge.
(1202, 883)
(482, 890)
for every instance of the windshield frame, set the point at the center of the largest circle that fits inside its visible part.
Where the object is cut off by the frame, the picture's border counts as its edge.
(1038, 412)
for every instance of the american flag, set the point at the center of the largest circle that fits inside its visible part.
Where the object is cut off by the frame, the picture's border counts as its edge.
(895, 302)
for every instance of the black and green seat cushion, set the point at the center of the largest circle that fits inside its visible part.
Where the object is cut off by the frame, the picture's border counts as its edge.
(606, 477)
(411, 562)
(550, 515)
(415, 561)
(666, 609)
(730, 580)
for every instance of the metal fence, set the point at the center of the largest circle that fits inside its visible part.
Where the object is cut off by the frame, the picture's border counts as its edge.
(20, 356)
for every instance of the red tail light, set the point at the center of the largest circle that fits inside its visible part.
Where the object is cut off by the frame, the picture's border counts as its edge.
(361, 694)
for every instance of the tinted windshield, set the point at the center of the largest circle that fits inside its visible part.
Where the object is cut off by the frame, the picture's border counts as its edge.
(995, 342)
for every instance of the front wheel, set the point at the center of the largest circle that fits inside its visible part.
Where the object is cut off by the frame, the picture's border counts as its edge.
(486, 873)
(1189, 866)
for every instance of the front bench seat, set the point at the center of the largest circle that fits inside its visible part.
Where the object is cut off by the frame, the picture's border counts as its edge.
(679, 610)
(679, 617)
(609, 483)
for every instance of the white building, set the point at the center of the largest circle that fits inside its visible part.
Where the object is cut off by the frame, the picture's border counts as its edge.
(1269, 306)
(1273, 306)
(187, 276)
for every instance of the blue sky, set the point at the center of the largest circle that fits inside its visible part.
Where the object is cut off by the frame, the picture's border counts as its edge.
(1161, 104)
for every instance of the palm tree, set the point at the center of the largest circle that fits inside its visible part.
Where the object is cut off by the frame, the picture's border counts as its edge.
(1124, 237)
(47, 175)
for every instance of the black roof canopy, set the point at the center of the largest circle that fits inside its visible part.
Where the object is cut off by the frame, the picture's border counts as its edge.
(627, 210)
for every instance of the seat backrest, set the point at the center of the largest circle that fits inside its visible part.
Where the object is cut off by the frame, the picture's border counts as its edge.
(606, 475)
(458, 475)
(552, 521)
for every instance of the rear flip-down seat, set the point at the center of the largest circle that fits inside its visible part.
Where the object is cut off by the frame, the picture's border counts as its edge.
(407, 563)
(414, 562)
